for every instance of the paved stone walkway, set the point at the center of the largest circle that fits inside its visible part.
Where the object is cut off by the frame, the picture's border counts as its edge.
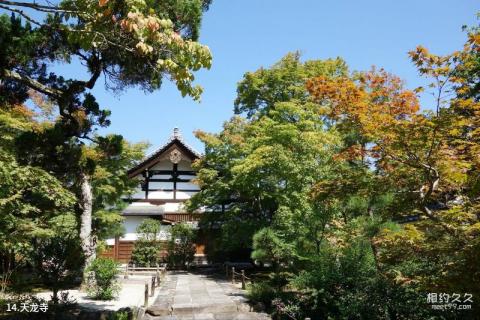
(188, 296)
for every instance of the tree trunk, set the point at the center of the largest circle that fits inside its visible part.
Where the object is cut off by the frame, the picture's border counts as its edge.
(88, 243)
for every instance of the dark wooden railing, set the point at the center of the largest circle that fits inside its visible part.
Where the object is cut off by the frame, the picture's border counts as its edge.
(233, 274)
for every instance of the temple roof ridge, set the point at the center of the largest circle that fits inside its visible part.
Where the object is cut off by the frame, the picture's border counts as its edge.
(176, 136)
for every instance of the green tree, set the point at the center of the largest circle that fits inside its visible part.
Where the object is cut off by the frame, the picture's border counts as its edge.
(129, 43)
(147, 247)
(181, 246)
(259, 91)
(110, 182)
(260, 172)
(31, 199)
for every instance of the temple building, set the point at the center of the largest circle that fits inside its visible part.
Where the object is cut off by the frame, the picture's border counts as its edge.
(165, 183)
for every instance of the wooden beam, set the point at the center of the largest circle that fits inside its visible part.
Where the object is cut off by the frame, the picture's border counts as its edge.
(147, 183)
(170, 180)
(170, 190)
(170, 172)
(175, 177)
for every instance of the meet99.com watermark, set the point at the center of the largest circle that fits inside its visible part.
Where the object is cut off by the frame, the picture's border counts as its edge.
(446, 301)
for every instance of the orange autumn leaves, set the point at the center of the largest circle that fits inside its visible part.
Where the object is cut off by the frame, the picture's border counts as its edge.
(374, 103)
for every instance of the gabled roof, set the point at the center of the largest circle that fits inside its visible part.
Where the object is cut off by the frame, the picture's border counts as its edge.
(152, 158)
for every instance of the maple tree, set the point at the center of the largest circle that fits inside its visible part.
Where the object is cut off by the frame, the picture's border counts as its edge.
(429, 158)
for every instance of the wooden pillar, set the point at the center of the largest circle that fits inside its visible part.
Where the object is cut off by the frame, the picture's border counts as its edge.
(175, 177)
(152, 292)
(146, 174)
(243, 279)
(116, 248)
(233, 275)
(145, 304)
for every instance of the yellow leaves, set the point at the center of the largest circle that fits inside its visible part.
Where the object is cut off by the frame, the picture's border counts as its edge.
(474, 38)
(153, 24)
(418, 90)
(81, 117)
(102, 3)
(400, 278)
(474, 230)
(143, 48)
(409, 236)
(125, 25)
(376, 104)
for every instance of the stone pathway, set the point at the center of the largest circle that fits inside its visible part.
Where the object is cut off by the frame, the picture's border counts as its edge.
(188, 296)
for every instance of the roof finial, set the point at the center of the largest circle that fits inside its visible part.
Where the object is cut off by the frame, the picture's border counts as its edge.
(176, 133)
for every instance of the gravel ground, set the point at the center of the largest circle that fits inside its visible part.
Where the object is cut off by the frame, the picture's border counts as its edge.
(131, 295)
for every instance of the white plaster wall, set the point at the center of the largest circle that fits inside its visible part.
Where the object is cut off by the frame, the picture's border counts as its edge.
(184, 176)
(187, 185)
(139, 194)
(184, 165)
(132, 222)
(161, 185)
(182, 195)
(173, 207)
(160, 195)
(161, 176)
(162, 165)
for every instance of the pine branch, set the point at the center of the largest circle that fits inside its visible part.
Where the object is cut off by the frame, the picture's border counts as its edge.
(36, 6)
(32, 83)
(23, 14)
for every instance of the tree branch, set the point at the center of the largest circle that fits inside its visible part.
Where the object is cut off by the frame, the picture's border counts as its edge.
(32, 83)
(35, 6)
(23, 14)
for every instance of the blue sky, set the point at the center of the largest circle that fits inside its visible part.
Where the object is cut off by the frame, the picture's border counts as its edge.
(244, 35)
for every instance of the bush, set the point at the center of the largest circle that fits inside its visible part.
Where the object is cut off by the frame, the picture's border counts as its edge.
(181, 246)
(102, 279)
(58, 261)
(261, 292)
(147, 246)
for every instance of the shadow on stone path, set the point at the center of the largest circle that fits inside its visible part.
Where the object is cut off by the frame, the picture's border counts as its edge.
(193, 296)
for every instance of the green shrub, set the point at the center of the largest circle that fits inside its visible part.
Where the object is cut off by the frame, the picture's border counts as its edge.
(147, 246)
(57, 262)
(102, 279)
(181, 246)
(120, 315)
(261, 292)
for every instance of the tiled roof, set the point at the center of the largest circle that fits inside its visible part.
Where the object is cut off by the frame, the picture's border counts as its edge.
(176, 137)
(143, 210)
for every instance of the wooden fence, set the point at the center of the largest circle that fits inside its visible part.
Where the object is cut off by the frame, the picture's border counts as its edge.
(233, 275)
